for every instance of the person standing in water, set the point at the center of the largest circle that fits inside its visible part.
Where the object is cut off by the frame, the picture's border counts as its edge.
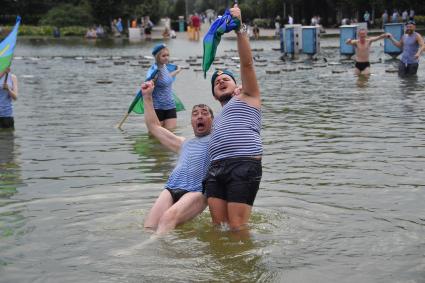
(163, 100)
(234, 176)
(362, 45)
(412, 44)
(8, 93)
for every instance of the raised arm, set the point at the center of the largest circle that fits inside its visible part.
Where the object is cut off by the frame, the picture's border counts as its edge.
(166, 138)
(176, 72)
(397, 43)
(250, 88)
(379, 37)
(13, 92)
(351, 41)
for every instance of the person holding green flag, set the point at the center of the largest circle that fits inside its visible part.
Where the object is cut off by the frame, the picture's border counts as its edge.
(8, 93)
(234, 176)
(163, 100)
(8, 81)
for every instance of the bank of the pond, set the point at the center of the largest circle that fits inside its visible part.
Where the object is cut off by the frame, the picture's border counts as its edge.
(80, 31)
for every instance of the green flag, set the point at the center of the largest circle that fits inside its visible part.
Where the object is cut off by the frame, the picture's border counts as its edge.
(7, 46)
(138, 106)
(212, 38)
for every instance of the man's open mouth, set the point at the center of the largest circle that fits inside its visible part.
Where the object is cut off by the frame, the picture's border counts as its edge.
(200, 125)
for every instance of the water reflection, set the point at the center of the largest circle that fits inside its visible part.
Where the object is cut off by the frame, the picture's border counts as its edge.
(214, 255)
(9, 168)
(363, 81)
(11, 218)
(409, 85)
(233, 259)
(155, 160)
(343, 170)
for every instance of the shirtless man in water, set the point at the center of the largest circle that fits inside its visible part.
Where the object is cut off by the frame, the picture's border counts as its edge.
(362, 46)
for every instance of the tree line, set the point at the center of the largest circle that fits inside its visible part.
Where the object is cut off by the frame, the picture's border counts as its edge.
(87, 12)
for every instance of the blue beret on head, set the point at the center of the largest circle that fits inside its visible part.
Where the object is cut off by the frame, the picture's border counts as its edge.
(158, 48)
(219, 73)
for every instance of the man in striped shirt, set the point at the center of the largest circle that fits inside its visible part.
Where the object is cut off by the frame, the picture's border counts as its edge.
(182, 198)
(235, 148)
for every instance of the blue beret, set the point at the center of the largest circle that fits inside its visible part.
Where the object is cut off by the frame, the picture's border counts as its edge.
(219, 73)
(158, 48)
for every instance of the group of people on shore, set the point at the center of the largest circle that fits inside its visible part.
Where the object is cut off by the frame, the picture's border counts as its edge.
(95, 32)
(117, 26)
(396, 17)
(194, 27)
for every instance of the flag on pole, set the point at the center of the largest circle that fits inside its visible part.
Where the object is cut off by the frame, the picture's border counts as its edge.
(7, 46)
(212, 38)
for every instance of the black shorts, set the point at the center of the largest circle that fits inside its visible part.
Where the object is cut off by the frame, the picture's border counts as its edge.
(234, 179)
(407, 69)
(362, 65)
(7, 123)
(176, 194)
(166, 114)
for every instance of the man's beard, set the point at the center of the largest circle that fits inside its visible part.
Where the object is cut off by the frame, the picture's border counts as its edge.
(225, 98)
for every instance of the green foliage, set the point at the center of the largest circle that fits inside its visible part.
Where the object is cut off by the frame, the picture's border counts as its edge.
(35, 30)
(179, 9)
(420, 20)
(263, 23)
(67, 15)
(48, 30)
(155, 9)
(200, 6)
(86, 12)
(73, 30)
(104, 11)
(248, 13)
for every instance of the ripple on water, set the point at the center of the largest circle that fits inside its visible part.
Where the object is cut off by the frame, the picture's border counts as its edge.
(341, 194)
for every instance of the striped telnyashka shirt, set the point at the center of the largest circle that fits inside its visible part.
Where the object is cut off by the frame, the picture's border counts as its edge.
(6, 107)
(236, 131)
(163, 92)
(192, 165)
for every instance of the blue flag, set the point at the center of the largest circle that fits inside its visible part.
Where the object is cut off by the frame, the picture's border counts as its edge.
(212, 38)
(7, 46)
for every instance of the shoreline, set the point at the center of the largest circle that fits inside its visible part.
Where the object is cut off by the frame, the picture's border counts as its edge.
(265, 34)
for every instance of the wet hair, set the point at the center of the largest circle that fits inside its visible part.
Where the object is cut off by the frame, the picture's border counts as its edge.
(204, 106)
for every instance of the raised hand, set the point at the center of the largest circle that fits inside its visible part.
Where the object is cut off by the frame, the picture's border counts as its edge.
(236, 12)
(147, 88)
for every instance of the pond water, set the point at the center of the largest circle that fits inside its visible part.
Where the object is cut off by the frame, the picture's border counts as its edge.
(341, 199)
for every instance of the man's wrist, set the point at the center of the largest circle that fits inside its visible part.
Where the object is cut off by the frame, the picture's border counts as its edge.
(243, 29)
